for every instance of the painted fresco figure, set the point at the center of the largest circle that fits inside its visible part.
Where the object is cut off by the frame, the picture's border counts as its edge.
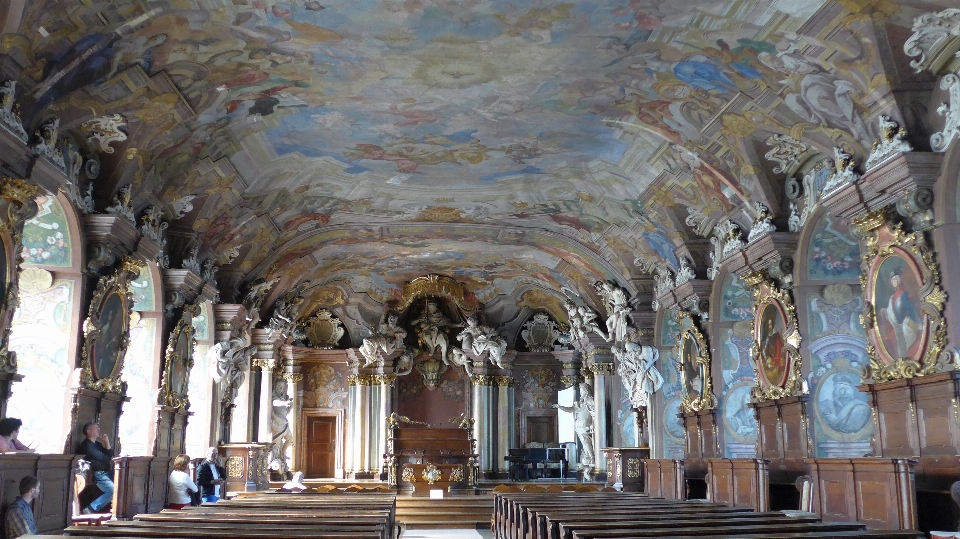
(844, 412)
(902, 315)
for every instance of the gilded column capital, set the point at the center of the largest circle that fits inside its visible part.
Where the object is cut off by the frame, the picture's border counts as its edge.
(363, 379)
(384, 379)
(294, 377)
(602, 368)
(482, 380)
(503, 381)
(569, 380)
(263, 364)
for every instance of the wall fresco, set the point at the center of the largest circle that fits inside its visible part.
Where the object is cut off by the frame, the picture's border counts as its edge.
(740, 426)
(139, 366)
(834, 253)
(736, 303)
(46, 237)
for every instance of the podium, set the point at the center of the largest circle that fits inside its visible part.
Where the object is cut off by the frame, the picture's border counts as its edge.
(423, 459)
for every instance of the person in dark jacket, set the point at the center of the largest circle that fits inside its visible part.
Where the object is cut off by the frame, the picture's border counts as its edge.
(96, 449)
(210, 477)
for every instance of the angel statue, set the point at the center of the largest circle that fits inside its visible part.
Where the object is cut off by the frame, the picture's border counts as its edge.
(635, 365)
(479, 338)
(583, 411)
(388, 337)
(229, 361)
(617, 307)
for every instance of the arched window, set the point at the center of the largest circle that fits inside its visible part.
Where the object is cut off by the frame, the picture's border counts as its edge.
(733, 334)
(200, 386)
(142, 364)
(829, 303)
(44, 327)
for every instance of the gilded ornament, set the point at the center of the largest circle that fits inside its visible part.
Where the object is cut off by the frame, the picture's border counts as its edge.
(503, 381)
(633, 467)
(776, 350)
(108, 329)
(408, 475)
(293, 377)
(694, 367)
(456, 474)
(235, 466)
(434, 285)
(603, 368)
(483, 380)
(568, 380)
(178, 361)
(431, 474)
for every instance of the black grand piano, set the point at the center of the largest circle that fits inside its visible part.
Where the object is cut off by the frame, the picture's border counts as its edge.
(528, 463)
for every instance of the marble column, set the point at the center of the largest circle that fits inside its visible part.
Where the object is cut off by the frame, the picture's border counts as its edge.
(240, 421)
(484, 415)
(291, 374)
(600, 364)
(506, 429)
(265, 361)
(385, 386)
(228, 317)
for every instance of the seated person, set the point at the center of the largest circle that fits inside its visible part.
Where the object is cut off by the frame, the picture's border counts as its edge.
(210, 477)
(178, 495)
(96, 449)
(19, 520)
(9, 429)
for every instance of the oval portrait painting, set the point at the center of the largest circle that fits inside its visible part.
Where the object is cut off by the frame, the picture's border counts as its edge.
(773, 356)
(896, 300)
(692, 379)
(106, 350)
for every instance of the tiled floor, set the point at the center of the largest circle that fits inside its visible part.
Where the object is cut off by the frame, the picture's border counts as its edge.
(447, 534)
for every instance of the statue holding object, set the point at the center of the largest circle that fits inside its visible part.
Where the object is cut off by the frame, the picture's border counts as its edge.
(387, 337)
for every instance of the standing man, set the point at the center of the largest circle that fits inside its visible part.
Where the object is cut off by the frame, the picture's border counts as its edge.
(19, 519)
(210, 476)
(96, 449)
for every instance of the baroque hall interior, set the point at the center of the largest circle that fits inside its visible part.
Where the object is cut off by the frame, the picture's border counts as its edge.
(698, 248)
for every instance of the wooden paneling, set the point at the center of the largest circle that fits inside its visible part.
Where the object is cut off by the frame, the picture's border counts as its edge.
(879, 492)
(246, 466)
(784, 428)
(131, 476)
(739, 482)
(664, 478)
(701, 434)
(625, 468)
(52, 509)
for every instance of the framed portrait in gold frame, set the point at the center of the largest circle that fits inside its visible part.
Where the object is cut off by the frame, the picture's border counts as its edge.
(903, 311)
(178, 361)
(693, 365)
(107, 330)
(776, 341)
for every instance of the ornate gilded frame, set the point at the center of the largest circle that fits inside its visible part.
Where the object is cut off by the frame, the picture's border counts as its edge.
(767, 295)
(886, 241)
(689, 333)
(179, 354)
(117, 284)
(18, 196)
(314, 329)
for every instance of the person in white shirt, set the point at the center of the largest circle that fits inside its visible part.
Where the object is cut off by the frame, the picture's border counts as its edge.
(178, 495)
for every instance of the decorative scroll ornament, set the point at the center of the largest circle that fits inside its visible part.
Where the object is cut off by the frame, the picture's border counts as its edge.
(940, 141)
(107, 330)
(762, 224)
(122, 204)
(46, 146)
(786, 152)
(324, 330)
(810, 187)
(178, 361)
(663, 284)
(105, 130)
(685, 273)
(721, 234)
(539, 333)
(208, 272)
(890, 142)
(733, 238)
(701, 224)
(182, 206)
(153, 227)
(192, 260)
(793, 222)
(693, 366)
(456, 473)
(903, 311)
(408, 475)
(637, 370)
(776, 342)
(434, 285)
(844, 171)
(9, 111)
(930, 31)
(19, 198)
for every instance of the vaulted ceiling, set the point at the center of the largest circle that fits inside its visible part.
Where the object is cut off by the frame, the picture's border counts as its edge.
(508, 144)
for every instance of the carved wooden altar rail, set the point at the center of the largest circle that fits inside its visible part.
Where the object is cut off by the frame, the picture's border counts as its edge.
(55, 472)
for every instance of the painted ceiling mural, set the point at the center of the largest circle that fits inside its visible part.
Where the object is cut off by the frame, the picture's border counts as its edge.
(606, 123)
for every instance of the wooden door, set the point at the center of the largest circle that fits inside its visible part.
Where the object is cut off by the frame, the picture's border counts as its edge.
(541, 429)
(321, 446)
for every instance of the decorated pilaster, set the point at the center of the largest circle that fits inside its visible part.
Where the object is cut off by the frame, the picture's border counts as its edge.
(601, 368)
(484, 415)
(292, 377)
(506, 411)
(264, 361)
(371, 402)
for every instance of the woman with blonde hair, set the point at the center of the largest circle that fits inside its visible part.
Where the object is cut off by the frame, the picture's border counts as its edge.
(178, 496)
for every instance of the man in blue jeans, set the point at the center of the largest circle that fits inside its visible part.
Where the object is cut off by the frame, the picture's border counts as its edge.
(210, 476)
(96, 449)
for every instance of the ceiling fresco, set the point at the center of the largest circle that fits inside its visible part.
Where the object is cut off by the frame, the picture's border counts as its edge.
(605, 122)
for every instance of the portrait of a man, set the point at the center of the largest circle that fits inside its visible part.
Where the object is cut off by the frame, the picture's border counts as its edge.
(106, 351)
(899, 321)
(691, 369)
(773, 357)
